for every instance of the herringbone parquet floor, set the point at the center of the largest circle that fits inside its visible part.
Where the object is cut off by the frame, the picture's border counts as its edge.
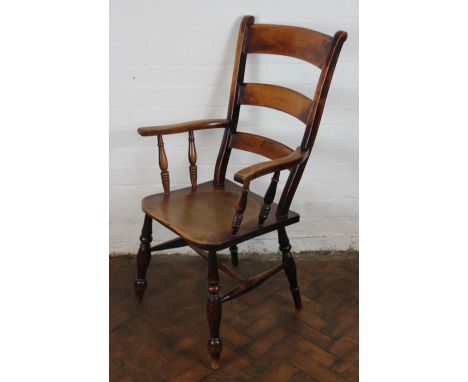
(265, 339)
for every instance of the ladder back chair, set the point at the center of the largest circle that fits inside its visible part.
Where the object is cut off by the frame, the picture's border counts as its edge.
(219, 214)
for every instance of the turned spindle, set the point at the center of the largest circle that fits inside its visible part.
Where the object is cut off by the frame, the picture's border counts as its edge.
(269, 197)
(192, 156)
(163, 165)
(240, 208)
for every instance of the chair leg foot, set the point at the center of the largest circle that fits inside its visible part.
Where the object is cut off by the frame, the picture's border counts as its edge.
(289, 267)
(234, 256)
(143, 258)
(296, 294)
(214, 311)
(215, 346)
(139, 287)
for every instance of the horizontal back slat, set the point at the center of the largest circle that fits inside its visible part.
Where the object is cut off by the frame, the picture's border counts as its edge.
(276, 97)
(257, 144)
(304, 44)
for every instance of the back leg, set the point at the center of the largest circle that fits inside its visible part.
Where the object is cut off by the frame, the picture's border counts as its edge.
(289, 266)
(234, 257)
(144, 257)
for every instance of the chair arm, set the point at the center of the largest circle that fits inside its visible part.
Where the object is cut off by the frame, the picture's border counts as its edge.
(183, 127)
(247, 174)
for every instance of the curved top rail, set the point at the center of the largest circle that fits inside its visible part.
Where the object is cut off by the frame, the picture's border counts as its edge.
(302, 43)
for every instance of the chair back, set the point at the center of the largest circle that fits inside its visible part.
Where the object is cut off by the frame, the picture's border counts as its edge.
(311, 46)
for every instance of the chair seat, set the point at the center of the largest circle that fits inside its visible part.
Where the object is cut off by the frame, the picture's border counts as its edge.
(203, 217)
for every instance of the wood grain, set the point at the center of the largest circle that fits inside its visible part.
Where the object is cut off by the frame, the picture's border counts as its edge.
(301, 43)
(177, 128)
(163, 165)
(276, 97)
(216, 205)
(259, 145)
(192, 156)
(247, 174)
(233, 106)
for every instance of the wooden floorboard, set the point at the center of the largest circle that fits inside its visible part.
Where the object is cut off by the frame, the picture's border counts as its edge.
(265, 339)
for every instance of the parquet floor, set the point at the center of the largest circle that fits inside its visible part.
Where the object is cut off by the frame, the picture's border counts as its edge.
(265, 339)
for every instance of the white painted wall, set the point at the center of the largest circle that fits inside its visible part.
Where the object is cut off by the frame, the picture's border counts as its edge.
(171, 61)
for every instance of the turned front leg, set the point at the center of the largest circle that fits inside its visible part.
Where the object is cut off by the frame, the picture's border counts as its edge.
(144, 257)
(289, 267)
(214, 310)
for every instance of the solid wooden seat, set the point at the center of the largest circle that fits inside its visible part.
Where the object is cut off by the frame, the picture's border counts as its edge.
(220, 214)
(181, 211)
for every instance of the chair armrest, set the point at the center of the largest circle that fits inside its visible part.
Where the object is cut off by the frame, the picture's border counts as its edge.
(183, 127)
(247, 174)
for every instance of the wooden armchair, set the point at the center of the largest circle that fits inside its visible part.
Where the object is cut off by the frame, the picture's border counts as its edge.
(219, 214)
